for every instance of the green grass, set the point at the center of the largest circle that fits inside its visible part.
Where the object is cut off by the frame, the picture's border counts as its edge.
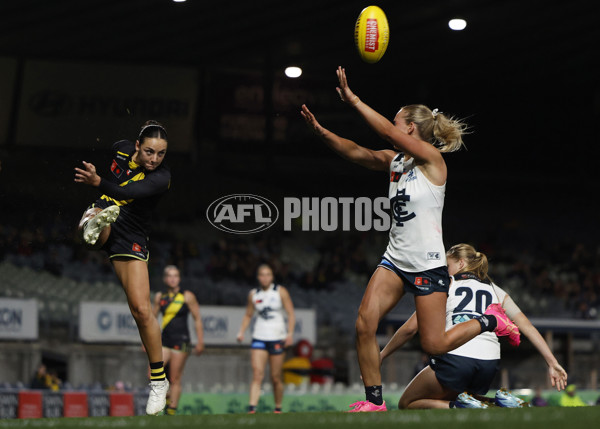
(530, 418)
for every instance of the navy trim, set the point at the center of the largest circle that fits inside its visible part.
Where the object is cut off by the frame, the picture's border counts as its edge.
(469, 275)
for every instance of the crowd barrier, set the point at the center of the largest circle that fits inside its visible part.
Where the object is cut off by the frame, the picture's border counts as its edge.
(24, 404)
(40, 403)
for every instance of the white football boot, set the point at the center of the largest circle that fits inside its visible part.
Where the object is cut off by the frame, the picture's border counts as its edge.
(93, 227)
(157, 399)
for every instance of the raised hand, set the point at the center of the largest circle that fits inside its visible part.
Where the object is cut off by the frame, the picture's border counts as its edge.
(311, 121)
(343, 90)
(87, 176)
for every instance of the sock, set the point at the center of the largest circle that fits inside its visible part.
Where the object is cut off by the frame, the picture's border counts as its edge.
(251, 408)
(374, 394)
(171, 411)
(452, 404)
(157, 371)
(488, 323)
(277, 409)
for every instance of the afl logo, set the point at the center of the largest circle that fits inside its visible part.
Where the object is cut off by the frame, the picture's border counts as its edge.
(242, 213)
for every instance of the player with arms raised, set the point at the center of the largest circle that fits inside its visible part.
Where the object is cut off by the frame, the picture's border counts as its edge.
(414, 260)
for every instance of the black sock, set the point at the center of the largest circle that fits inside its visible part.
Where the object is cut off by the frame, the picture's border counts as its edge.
(157, 371)
(452, 404)
(374, 394)
(488, 323)
(251, 408)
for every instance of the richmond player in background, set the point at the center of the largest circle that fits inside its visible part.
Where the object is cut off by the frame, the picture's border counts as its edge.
(269, 336)
(414, 260)
(458, 378)
(175, 305)
(119, 223)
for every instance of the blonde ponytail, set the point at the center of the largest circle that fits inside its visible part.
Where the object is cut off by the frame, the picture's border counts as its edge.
(444, 132)
(475, 262)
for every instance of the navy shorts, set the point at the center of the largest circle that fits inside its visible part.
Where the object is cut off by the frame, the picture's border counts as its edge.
(422, 282)
(273, 347)
(463, 374)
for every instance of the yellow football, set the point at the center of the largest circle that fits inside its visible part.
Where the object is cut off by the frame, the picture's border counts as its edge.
(371, 34)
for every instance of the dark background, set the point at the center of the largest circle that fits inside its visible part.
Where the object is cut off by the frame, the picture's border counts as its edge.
(523, 74)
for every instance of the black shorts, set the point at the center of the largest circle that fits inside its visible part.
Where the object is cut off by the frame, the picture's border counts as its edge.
(123, 241)
(422, 282)
(463, 374)
(273, 347)
(179, 344)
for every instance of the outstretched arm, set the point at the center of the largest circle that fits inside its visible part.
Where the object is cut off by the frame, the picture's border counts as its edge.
(373, 159)
(401, 337)
(400, 140)
(557, 374)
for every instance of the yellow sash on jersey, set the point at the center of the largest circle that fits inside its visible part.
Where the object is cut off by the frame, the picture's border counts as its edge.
(172, 309)
(136, 178)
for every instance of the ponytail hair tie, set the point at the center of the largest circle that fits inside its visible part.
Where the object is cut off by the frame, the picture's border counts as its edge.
(435, 112)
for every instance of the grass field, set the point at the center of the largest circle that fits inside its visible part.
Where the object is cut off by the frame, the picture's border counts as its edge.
(530, 418)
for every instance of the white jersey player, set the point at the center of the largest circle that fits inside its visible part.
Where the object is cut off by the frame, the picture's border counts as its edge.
(414, 259)
(267, 303)
(269, 323)
(415, 200)
(472, 366)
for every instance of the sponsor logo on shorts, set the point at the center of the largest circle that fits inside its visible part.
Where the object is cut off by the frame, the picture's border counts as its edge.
(422, 283)
(136, 247)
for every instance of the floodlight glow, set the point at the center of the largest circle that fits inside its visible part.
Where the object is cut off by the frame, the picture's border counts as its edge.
(457, 24)
(293, 72)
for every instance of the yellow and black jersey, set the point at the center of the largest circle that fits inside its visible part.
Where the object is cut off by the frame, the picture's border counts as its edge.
(134, 189)
(174, 312)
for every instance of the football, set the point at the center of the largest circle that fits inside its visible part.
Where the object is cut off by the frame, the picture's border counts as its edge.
(371, 34)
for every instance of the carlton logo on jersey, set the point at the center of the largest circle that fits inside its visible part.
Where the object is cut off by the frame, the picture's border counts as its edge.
(265, 313)
(398, 208)
(242, 213)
